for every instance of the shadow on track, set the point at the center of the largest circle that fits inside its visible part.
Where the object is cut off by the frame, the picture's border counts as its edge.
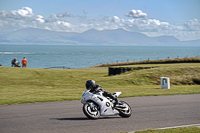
(80, 118)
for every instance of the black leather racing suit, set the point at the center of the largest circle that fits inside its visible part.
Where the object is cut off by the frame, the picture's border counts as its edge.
(13, 62)
(98, 88)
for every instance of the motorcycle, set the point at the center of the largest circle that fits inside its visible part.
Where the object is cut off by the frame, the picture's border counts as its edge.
(96, 105)
(17, 64)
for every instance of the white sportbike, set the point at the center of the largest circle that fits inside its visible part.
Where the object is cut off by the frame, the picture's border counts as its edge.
(96, 105)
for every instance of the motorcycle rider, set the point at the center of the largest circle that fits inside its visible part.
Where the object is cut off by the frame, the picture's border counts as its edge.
(95, 88)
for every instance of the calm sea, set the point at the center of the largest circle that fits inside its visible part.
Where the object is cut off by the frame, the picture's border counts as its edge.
(45, 56)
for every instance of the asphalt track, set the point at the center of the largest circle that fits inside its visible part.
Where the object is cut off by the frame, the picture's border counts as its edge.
(67, 117)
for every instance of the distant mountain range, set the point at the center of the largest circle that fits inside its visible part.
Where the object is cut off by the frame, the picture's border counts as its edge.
(91, 37)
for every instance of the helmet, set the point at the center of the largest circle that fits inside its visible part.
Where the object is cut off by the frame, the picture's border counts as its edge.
(15, 58)
(90, 84)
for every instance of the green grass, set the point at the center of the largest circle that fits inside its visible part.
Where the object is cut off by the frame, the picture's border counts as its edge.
(29, 85)
(192, 129)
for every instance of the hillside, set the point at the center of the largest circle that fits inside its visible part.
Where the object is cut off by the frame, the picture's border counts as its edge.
(91, 37)
(36, 36)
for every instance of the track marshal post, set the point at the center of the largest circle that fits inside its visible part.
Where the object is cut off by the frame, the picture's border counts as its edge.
(165, 83)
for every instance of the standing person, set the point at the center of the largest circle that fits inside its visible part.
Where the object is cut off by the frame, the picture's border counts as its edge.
(13, 62)
(24, 62)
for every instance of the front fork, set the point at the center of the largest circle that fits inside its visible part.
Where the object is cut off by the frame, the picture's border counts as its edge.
(92, 106)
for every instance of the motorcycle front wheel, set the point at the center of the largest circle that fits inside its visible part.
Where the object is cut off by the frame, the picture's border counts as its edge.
(91, 113)
(125, 112)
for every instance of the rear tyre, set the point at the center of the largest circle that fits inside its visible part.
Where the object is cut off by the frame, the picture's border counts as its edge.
(126, 112)
(91, 113)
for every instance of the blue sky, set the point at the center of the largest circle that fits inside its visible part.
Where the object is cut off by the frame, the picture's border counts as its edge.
(178, 18)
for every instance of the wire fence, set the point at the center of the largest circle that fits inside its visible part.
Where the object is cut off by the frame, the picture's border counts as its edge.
(142, 59)
(58, 67)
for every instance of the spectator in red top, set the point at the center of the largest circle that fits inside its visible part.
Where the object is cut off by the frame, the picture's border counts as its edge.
(24, 62)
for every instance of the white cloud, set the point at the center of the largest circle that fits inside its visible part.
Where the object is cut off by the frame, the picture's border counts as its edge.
(47, 28)
(24, 18)
(85, 11)
(116, 19)
(67, 14)
(193, 25)
(66, 22)
(136, 14)
(40, 19)
(25, 12)
(53, 16)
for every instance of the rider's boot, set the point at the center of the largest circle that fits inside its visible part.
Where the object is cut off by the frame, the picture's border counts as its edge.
(117, 102)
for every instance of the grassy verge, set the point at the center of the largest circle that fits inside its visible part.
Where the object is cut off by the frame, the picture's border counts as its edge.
(193, 129)
(28, 85)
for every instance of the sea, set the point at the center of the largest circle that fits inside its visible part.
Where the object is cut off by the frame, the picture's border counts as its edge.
(67, 56)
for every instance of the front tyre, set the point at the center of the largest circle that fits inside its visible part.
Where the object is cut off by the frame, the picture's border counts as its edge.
(91, 113)
(125, 112)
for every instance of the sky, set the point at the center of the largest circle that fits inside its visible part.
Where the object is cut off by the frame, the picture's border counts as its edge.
(178, 18)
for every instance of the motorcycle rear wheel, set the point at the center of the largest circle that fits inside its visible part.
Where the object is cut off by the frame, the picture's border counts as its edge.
(125, 113)
(91, 114)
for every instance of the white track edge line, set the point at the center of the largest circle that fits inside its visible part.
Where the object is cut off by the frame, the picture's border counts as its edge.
(198, 125)
(180, 126)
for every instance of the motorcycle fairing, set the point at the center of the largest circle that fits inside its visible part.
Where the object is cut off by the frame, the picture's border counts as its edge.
(106, 107)
(117, 94)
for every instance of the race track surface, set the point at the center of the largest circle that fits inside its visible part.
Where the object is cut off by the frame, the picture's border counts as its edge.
(67, 117)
